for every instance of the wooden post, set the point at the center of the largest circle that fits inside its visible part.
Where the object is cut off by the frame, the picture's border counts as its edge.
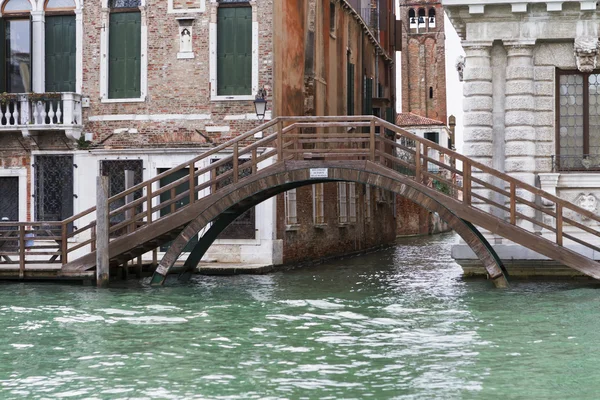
(372, 141)
(64, 253)
(172, 198)
(254, 164)
(418, 176)
(139, 267)
(559, 224)
(236, 172)
(192, 183)
(513, 203)
(425, 162)
(22, 251)
(129, 213)
(280, 141)
(149, 203)
(467, 183)
(102, 230)
(93, 237)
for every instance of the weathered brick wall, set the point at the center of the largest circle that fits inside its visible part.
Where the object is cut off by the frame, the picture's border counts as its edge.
(175, 86)
(309, 242)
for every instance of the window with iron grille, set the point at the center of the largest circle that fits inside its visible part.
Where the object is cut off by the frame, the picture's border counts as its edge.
(578, 109)
(115, 170)
(244, 227)
(291, 216)
(318, 204)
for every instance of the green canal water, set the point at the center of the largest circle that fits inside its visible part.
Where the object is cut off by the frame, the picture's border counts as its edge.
(399, 323)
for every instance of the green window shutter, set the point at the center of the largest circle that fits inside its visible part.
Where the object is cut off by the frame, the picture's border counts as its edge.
(234, 51)
(60, 53)
(124, 55)
(350, 100)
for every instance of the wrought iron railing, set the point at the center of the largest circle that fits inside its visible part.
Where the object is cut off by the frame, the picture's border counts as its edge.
(577, 163)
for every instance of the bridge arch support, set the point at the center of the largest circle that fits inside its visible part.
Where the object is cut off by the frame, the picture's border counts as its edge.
(222, 207)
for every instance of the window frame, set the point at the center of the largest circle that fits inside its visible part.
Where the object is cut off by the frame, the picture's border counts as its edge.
(586, 118)
(104, 49)
(213, 38)
(291, 208)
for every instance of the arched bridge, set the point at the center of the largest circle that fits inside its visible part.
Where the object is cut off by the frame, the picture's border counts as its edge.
(298, 151)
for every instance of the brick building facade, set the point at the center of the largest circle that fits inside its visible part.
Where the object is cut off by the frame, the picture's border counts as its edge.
(146, 85)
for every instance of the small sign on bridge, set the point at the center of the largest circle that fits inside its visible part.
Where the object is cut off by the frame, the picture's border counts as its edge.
(319, 173)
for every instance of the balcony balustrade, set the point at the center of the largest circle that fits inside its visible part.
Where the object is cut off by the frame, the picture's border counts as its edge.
(27, 112)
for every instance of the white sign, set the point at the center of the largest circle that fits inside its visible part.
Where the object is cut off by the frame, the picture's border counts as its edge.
(319, 173)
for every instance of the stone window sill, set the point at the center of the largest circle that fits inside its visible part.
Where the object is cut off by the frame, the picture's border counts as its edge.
(292, 227)
(320, 226)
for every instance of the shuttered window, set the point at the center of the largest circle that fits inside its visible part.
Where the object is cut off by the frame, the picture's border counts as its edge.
(342, 203)
(352, 202)
(124, 55)
(350, 100)
(60, 53)
(234, 51)
(291, 214)
(318, 204)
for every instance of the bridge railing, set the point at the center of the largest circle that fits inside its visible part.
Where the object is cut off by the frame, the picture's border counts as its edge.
(517, 202)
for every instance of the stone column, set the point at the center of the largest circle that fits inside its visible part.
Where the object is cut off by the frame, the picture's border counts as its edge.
(520, 138)
(38, 73)
(478, 111)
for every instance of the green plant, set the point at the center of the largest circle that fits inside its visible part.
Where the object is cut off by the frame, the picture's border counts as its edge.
(83, 144)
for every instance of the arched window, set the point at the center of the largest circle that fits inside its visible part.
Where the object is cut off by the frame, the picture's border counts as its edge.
(431, 19)
(124, 49)
(16, 6)
(421, 20)
(55, 5)
(15, 60)
(412, 19)
(116, 4)
(60, 39)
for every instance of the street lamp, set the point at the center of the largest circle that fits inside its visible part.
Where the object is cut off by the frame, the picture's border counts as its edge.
(260, 104)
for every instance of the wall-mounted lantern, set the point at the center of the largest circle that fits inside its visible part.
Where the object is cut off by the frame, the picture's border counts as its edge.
(260, 104)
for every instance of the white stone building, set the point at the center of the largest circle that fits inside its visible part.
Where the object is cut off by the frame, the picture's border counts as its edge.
(532, 100)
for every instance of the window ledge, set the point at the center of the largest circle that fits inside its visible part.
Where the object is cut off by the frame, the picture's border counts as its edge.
(320, 226)
(135, 100)
(342, 224)
(333, 36)
(186, 55)
(292, 227)
(233, 98)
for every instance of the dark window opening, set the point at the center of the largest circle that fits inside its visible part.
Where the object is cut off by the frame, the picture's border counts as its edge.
(412, 18)
(431, 92)
(433, 136)
(332, 17)
(431, 19)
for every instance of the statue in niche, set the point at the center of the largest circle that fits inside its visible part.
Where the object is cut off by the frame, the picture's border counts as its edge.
(588, 202)
(586, 51)
(460, 67)
(185, 41)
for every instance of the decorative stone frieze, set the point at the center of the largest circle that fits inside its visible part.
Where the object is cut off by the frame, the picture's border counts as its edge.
(588, 202)
(586, 52)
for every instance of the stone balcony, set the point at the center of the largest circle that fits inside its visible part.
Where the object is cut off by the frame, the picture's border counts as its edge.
(27, 112)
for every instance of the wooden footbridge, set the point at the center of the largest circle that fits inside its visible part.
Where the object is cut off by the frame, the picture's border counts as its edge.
(298, 151)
